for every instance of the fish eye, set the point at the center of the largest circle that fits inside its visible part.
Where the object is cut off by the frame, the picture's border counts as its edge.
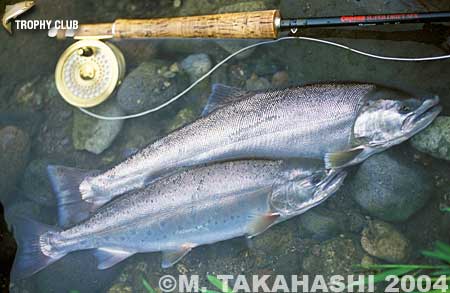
(404, 109)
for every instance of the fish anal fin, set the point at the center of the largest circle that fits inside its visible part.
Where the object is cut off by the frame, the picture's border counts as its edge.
(171, 257)
(261, 223)
(108, 257)
(344, 158)
(221, 95)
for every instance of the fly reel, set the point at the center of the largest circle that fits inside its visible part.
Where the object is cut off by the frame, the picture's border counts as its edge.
(88, 72)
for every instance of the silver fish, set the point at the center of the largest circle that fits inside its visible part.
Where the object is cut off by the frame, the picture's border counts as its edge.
(13, 11)
(343, 123)
(198, 206)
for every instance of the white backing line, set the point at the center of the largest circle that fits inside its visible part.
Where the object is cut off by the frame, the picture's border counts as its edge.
(175, 98)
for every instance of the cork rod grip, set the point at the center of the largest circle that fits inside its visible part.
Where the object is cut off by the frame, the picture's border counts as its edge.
(259, 24)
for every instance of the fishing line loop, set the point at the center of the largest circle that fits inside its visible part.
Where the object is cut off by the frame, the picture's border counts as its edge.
(214, 68)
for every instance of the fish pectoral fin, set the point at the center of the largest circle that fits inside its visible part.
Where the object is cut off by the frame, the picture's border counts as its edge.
(345, 158)
(221, 95)
(108, 257)
(171, 257)
(260, 223)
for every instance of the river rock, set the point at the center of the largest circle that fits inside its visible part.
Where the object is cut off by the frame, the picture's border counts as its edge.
(35, 185)
(29, 94)
(14, 151)
(147, 86)
(383, 241)
(435, 139)
(182, 118)
(390, 186)
(280, 79)
(30, 210)
(322, 223)
(256, 83)
(332, 257)
(95, 135)
(196, 65)
(79, 272)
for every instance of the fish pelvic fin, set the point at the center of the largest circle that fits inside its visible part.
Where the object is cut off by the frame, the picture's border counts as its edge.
(34, 251)
(349, 157)
(108, 257)
(171, 257)
(65, 183)
(261, 223)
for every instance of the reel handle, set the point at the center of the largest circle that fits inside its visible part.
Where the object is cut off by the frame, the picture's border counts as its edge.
(255, 25)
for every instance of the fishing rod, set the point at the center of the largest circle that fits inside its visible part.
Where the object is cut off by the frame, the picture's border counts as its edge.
(90, 70)
(265, 24)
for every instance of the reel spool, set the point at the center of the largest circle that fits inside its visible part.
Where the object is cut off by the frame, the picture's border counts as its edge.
(88, 72)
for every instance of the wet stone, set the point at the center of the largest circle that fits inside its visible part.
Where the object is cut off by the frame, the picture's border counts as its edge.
(256, 83)
(390, 186)
(383, 241)
(335, 256)
(14, 151)
(322, 223)
(95, 135)
(149, 85)
(35, 185)
(79, 272)
(196, 65)
(182, 118)
(29, 209)
(280, 79)
(435, 139)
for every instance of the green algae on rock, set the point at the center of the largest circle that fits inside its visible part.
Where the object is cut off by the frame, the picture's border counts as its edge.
(435, 139)
(383, 241)
(336, 256)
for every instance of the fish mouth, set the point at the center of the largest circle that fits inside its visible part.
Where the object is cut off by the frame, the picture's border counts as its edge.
(422, 116)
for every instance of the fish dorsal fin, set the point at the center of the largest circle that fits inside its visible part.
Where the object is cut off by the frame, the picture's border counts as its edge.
(171, 257)
(260, 223)
(108, 257)
(221, 95)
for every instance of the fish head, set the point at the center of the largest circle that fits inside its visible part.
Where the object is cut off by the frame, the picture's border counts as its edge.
(305, 192)
(383, 123)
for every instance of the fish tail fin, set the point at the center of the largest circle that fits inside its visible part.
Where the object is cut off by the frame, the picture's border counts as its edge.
(32, 237)
(65, 183)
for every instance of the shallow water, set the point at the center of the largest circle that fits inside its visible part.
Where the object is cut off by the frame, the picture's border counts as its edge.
(326, 241)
